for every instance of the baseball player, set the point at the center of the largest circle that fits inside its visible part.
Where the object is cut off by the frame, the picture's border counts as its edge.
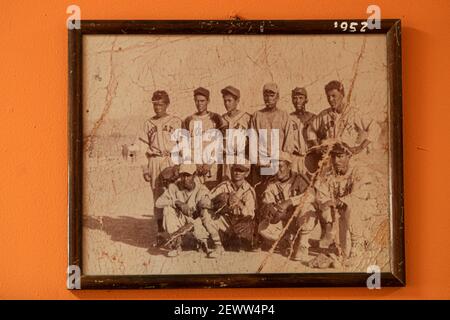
(339, 123)
(300, 119)
(282, 195)
(235, 201)
(344, 196)
(157, 135)
(271, 117)
(209, 120)
(187, 202)
(237, 120)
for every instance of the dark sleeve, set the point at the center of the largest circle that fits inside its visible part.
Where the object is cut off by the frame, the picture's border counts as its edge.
(312, 131)
(219, 121)
(305, 128)
(186, 122)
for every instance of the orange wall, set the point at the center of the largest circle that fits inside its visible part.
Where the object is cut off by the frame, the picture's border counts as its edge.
(33, 131)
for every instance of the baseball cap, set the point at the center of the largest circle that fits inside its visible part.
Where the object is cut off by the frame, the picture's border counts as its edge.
(201, 91)
(299, 91)
(273, 87)
(231, 90)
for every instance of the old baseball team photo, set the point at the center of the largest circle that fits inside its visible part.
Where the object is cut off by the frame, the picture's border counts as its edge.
(217, 154)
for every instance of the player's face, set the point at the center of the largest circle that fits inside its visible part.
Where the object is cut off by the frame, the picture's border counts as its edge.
(238, 175)
(299, 102)
(270, 99)
(201, 102)
(340, 162)
(335, 98)
(230, 102)
(284, 170)
(160, 107)
(187, 180)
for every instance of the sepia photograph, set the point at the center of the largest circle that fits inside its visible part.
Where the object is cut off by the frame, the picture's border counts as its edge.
(235, 153)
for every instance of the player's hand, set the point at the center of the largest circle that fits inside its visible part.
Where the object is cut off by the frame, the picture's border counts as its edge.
(233, 201)
(284, 205)
(269, 212)
(204, 203)
(147, 177)
(183, 207)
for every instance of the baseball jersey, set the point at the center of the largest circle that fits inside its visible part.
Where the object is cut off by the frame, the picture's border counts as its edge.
(327, 125)
(299, 124)
(210, 120)
(354, 184)
(245, 193)
(191, 198)
(158, 132)
(278, 191)
(241, 120)
(274, 119)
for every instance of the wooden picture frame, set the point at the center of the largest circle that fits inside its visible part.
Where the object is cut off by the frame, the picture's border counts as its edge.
(390, 28)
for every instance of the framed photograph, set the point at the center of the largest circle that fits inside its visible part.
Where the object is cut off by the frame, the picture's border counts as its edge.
(235, 154)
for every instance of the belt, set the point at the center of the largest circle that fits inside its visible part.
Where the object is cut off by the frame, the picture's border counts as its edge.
(155, 156)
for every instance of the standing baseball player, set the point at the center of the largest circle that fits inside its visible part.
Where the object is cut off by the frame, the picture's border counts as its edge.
(209, 120)
(271, 117)
(157, 132)
(339, 123)
(300, 119)
(237, 120)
